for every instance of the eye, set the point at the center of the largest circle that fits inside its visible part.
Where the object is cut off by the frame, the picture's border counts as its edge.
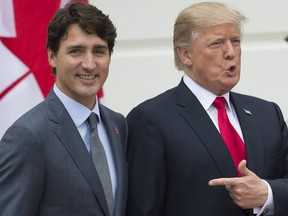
(236, 42)
(216, 44)
(100, 51)
(75, 51)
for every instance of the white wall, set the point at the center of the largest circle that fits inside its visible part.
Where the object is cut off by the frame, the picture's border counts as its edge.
(142, 63)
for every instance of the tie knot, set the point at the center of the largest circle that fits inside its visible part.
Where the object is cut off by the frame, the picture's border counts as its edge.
(219, 102)
(92, 120)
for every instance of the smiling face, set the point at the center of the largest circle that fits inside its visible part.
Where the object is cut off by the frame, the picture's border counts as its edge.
(214, 60)
(82, 65)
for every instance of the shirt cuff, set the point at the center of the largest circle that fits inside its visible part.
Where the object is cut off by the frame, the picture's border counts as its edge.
(268, 207)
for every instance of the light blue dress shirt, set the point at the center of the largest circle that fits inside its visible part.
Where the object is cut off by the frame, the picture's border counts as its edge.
(79, 114)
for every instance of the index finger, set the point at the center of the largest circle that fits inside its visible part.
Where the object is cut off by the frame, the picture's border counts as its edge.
(221, 182)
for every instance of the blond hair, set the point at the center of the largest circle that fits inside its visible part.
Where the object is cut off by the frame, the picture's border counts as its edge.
(198, 17)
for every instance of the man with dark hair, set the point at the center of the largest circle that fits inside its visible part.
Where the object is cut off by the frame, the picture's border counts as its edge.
(49, 158)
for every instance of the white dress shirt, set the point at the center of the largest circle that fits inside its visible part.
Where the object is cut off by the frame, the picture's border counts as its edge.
(79, 114)
(206, 98)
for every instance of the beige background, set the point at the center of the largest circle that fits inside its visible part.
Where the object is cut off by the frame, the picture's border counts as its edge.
(142, 63)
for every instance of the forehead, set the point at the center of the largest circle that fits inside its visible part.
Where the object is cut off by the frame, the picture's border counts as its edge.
(76, 36)
(226, 29)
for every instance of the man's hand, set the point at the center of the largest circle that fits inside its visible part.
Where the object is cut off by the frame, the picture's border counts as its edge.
(248, 191)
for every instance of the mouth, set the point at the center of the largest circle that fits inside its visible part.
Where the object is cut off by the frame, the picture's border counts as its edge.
(86, 77)
(231, 68)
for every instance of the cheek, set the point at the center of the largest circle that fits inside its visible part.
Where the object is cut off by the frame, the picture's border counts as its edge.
(103, 65)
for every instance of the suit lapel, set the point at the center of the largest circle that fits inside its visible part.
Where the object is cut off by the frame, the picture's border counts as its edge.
(195, 115)
(69, 136)
(115, 142)
(251, 134)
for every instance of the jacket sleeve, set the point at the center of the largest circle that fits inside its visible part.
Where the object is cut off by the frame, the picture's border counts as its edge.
(21, 172)
(280, 186)
(146, 167)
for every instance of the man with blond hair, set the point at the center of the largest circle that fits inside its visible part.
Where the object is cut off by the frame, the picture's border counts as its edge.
(200, 149)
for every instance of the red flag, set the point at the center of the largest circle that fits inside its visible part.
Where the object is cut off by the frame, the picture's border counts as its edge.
(25, 74)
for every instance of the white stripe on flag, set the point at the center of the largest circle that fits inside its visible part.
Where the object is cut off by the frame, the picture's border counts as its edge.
(11, 67)
(63, 3)
(7, 19)
(20, 99)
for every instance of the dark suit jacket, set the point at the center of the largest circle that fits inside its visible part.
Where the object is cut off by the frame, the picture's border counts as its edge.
(46, 170)
(174, 149)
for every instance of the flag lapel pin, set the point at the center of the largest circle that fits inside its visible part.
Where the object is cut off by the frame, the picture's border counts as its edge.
(247, 112)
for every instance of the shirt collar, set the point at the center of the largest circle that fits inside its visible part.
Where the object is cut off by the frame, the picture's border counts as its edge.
(204, 96)
(77, 111)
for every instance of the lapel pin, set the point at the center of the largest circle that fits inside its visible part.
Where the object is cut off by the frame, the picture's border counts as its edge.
(117, 131)
(247, 112)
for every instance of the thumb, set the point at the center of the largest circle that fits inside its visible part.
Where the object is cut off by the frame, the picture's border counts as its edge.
(242, 167)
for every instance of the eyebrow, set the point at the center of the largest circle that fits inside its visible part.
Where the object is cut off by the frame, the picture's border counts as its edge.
(100, 46)
(75, 47)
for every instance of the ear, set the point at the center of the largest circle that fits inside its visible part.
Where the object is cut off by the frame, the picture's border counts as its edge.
(184, 56)
(51, 58)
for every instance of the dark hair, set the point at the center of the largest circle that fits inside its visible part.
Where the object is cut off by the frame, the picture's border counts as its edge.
(89, 18)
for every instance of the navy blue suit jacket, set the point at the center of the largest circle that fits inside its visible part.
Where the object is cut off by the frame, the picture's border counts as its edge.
(174, 149)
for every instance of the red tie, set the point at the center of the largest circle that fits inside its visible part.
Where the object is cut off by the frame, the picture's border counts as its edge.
(229, 134)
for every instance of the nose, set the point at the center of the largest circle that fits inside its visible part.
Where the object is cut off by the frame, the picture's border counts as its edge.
(88, 62)
(229, 50)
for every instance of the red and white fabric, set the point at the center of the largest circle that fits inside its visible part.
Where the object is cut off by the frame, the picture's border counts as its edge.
(25, 74)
